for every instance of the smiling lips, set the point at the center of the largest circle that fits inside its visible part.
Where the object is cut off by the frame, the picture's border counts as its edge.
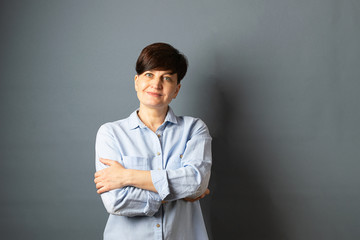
(154, 94)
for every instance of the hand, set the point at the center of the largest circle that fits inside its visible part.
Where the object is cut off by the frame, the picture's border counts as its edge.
(207, 192)
(110, 178)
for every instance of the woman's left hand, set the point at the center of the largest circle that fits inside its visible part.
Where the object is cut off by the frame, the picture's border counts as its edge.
(110, 178)
(207, 192)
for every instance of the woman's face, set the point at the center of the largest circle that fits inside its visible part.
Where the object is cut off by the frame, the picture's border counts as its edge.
(156, 89)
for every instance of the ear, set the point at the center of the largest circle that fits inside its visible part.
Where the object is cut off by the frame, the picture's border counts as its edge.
(135, 81)
(177, 90)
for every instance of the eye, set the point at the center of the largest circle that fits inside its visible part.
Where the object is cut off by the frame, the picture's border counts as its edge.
(167, 78)
(148, 74)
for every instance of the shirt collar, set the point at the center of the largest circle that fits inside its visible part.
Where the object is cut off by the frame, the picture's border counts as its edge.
(134, 120)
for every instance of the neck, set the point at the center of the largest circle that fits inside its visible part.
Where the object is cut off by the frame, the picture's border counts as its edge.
(152, 117)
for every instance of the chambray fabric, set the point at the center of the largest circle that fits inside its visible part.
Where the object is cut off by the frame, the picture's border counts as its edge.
(178, 156)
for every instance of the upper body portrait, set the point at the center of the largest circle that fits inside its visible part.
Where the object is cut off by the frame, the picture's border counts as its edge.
(153, 166)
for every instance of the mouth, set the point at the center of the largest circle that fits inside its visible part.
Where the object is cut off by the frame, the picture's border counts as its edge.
(154, 94)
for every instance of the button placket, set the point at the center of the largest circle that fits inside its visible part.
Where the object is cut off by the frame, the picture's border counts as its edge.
(157, 224)
(158, 154)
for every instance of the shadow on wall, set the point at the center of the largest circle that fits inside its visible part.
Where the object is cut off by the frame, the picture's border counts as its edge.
(240, 205)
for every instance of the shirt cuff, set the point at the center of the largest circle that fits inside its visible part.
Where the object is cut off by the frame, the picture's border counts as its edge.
(153, 204)
(159, 179)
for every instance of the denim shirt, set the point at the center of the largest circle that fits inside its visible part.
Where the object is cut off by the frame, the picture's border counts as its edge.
(178, 156)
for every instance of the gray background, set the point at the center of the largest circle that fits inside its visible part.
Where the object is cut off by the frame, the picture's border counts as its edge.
(276, 81)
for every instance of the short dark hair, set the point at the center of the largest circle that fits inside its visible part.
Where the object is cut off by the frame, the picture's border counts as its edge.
(162, 56)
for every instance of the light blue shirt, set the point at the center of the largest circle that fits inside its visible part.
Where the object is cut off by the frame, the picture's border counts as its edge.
(179, 157)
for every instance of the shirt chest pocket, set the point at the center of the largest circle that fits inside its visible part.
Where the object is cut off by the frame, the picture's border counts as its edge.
(138, 163)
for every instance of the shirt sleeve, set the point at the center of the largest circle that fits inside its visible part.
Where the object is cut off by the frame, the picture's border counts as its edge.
(192, 178)
(127, 201)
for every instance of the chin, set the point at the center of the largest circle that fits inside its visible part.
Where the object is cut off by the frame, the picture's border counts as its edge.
(155, 106)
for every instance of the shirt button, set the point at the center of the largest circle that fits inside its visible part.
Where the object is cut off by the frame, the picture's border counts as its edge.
(158, 225)
(158, 153)
(159, 135)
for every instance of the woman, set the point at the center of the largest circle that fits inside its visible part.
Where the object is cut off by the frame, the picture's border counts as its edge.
(153, 166)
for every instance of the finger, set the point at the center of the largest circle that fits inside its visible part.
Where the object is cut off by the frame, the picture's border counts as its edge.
(102, 190)
(99, 185)
(97, 180)
(207, 192)
(100, 173)
(191, 199)
(204, 194)
(106, 161)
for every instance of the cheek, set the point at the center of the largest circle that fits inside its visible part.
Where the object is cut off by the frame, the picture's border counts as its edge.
(177, 91)
(136, 87)
(139, 86)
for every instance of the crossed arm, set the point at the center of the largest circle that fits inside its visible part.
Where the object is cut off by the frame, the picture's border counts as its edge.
(116, 176)
(130, 192)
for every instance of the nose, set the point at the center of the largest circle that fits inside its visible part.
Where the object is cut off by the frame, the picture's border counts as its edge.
(156, 83)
